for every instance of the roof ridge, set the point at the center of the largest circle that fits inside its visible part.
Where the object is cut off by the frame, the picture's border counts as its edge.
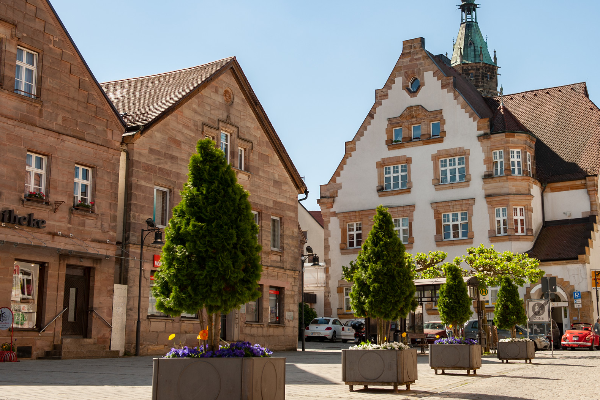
(227, 59)
(539, 90)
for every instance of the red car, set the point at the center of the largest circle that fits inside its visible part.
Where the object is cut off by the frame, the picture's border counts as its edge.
(434, 330)
(580, 335)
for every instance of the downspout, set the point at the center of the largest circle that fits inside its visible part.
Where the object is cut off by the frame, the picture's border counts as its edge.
(125, 213)
(544, 185)
(305, 196)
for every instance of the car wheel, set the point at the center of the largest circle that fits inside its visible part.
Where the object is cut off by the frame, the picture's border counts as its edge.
(344, 340)
(592, 347)
(333, 337)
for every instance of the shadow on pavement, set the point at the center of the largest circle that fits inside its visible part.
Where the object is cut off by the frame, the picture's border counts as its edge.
(476, 396)
(299, 376)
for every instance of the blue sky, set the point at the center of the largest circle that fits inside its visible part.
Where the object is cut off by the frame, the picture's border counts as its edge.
(315, 65)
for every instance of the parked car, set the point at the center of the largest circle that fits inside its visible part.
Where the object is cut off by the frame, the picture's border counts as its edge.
(323, 328)
(540, 341)
(434, 330)
(348, 331)
(580, 335)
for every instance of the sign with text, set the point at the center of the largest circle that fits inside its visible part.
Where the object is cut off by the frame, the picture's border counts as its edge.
(577, 295)
(537, 311)
(578, 305)
(595, 279)
(12, 218)
(157, 262)
(6, 318)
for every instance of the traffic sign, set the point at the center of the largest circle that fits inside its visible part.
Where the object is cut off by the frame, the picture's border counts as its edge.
(578, 305)
(577, 295)
(537, 311)
(6, 318)
(577, 301)
(483, 292)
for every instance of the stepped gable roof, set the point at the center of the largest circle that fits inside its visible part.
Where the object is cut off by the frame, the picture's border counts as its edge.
(464, 87)
(563, 240)
(318, 217)
(505, 121)
(142, 100)
(567, 125)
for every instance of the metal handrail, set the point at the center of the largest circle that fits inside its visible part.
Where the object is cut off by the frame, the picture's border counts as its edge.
(53, 319)
(100, 316)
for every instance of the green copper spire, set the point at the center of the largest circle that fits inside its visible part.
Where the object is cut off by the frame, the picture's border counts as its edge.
(470, 47)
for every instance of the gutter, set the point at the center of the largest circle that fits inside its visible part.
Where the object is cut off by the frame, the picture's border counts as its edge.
(125, 213)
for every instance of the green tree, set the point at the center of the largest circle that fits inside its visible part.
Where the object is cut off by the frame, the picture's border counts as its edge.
(454, 303)
(383, 286)
(509, 309)
(211, 256)
(309, 315)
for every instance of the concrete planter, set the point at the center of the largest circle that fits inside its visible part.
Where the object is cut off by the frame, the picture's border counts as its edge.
(516, 351)
(455, 357)
(379, 368)
(250, 378)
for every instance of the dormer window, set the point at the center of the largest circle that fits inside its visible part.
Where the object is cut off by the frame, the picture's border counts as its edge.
(397, 135)
(416, 132)
(415, 84)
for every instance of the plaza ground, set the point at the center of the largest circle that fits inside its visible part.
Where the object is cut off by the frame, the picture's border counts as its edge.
(315, 374)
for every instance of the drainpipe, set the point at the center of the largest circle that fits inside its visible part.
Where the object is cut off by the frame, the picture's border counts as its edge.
(124, 227)
(544, 185)
(302, 272)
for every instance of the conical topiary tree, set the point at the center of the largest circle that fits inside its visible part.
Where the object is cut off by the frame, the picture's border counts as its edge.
(454, 303)
(383, 286)
(211, 256)
(509, 310)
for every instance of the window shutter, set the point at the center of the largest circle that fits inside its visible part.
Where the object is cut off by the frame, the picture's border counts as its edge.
(438, 226)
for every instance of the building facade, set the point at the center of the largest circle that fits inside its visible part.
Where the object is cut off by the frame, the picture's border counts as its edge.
(166, 115)
(311, 223)
(456, 169)
(60, 139)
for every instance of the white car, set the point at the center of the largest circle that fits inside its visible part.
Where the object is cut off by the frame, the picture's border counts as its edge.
(323, 328)
(347, 331)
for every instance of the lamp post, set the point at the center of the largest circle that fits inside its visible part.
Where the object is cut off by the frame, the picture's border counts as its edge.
(157, 241)
(303, 258)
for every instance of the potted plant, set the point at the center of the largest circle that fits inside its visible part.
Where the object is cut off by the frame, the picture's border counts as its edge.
(38, 197)
(454, 306)
(81, 205)
(383, 288)
(508, 313)
(211, 262)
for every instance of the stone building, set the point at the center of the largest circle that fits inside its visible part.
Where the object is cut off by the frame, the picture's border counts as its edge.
(456, 169)
(311, 223)
(166, 114)
(60, 139)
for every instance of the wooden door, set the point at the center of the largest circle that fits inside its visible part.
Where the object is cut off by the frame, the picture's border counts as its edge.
(74, 320)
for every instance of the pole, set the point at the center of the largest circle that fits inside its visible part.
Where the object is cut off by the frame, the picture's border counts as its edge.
(596, 273)
(550, 311)
(138, 326)
(302, 303)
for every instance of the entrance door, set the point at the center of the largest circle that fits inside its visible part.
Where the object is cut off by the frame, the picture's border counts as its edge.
(76, 300)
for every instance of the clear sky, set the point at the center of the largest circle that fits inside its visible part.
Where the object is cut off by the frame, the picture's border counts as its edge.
(315, 65)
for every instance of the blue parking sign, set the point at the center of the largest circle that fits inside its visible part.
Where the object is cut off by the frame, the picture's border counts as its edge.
(577, 295)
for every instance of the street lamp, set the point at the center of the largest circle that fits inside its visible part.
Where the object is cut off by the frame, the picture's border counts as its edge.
(157, 241)
(303, 258)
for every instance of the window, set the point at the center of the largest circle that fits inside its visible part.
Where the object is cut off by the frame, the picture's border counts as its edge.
(415, 84)
(26, 72)
(456, 225)
(241, 158)
(397, 134)
(395, 177)
(275, 233)
(36, 174)
(493, 297)
(161, 206)
(501, 221)
(152, 310)
(82, 186)
(347, 306)
(256, 221)
(275, 305)
(253, 309)
(225, 144)
(519, 220)
(24, 296)
(416, 132)
(435, 129)
(401, 228)
(516, 167)
(452, 170)
(498, 156)
(354, 235)
(529, 164)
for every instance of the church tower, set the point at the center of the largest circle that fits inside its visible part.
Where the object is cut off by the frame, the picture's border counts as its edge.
(471, 56)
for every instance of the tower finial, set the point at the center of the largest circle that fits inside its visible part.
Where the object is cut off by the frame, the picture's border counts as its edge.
(495, 58)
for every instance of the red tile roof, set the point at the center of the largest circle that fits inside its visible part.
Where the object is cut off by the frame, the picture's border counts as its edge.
(563, 239)
(318, 217)
(505, 121)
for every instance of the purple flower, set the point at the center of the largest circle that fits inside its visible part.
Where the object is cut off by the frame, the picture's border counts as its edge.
(455, 340)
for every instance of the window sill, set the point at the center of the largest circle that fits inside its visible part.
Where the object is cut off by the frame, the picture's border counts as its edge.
(254, 323)
(350, 251)
(160, 317)
(415, 143)
(459, 242)
(21, 97)
(279, 325)
(83, 212)
(512, 238)
(36, 203)
(457, 185)
(398, 192)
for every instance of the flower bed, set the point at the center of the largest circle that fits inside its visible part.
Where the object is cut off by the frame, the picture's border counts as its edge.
(516, 349)
(455, 354)
(511, 340)
(385, 346)
(455, 340)
(239, 349)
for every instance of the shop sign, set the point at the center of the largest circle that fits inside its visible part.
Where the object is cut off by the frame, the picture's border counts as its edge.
(6, 318)
(157, 262)
(10, 217)
(273, 291)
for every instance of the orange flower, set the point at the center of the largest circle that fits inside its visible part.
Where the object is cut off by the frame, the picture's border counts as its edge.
(203, 335)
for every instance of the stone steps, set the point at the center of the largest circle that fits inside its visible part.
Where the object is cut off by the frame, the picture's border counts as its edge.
(75, 348)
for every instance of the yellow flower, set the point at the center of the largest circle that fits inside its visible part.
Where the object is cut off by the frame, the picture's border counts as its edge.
(403, 334)
(520, 333)
(172, 336)
(437, 336)
(450, 326)
(203, 335)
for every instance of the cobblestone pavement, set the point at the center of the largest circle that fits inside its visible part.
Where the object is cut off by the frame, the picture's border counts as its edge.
(315, 374)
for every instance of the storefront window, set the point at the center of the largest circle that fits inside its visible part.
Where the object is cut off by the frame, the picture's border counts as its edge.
(275, 305)
(253, 309)
(24, 296)
(152, 310)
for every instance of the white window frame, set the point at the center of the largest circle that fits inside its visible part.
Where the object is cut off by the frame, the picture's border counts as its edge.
(498, 157)
(347, 303)
(20, 84)
(166, 208)
(413, 132)
(452, 167)
(275, 234)
(395, 175)
(440, 132)
(224, 144)
(501, 214)
(241, 158)
(79, 181)
(257, 222)
(394, 134)
(529, 172)
(32, 170)
(401, 226)
(516, 162)
(519, 220)
(353, 230)
(458, 220)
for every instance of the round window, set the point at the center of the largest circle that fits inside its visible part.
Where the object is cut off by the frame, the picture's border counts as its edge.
(414, 85)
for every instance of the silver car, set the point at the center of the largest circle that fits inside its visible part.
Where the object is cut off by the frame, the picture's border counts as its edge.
(540, 341)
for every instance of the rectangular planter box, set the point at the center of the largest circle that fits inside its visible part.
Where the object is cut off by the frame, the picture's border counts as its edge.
(379, 367)
(516, 351)
(455, 357)
(248, 378)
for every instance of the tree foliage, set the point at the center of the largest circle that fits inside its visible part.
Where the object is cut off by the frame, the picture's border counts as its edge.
(383, 286)
(309, 315)
(454, 303)
(211, 256)
(509, 309)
